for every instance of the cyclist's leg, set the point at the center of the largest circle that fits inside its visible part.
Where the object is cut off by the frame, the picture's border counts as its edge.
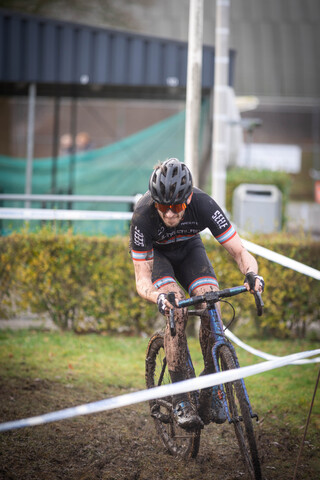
(204, 280)
(176, 347)
(201, 278)
(177, 357)
(163, 277)
(182, 444)
(211, 409)
(205, 336)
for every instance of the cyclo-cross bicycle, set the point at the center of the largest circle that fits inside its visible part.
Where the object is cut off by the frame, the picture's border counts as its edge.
(183, 443)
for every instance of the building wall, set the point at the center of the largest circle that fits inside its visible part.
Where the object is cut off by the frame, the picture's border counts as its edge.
(277, 44)
(105, 121)
(277, 41)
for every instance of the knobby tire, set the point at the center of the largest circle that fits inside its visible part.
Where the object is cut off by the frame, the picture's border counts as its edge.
(179, 442)
(241, 416)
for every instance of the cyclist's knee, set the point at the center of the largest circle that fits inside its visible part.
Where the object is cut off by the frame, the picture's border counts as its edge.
(173, 287)
(180, 313)
(202, 289)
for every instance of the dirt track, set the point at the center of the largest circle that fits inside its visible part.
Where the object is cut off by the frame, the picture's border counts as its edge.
(122, 444)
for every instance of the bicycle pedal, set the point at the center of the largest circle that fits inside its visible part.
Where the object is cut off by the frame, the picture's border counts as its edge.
(194, 429)
(254, 415)
(155, 413)
(236, 419)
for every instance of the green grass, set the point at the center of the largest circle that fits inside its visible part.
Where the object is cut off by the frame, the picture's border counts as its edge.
(80, 359)
(103, 363)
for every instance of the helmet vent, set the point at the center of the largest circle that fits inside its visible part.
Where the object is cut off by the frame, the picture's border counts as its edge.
(171, 182)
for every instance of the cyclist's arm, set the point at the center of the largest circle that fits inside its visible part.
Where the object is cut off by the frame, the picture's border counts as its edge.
(144, 285)
(245, 261)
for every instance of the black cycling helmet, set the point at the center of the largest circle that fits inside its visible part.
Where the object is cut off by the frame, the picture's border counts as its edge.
(171, 182)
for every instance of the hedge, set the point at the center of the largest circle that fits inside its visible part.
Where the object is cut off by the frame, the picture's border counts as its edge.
(73, 278)
(291, 298)
(87, 283)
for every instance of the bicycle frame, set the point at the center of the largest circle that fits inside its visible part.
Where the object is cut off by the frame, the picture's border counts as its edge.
(219, 340)
(216, 327)
(234, 394)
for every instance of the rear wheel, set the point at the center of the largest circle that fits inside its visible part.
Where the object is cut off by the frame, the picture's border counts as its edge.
(178, 441)
(240, 415)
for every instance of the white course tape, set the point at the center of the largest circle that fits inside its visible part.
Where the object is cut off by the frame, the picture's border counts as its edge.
(259, 353)
(281, 259)
(158, 392)
(274, 257)
(55, 214)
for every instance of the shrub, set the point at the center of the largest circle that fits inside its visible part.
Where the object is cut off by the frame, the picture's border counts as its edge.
(10, 252)
(82, 282)
(87, 283)
(291, 298)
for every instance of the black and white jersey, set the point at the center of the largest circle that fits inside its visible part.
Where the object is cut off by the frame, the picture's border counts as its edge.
(148, 231)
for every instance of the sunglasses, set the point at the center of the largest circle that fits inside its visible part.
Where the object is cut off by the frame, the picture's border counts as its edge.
(179, 207)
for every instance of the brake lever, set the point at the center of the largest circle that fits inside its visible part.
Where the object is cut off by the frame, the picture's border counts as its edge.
(172, 300)
(259, 303)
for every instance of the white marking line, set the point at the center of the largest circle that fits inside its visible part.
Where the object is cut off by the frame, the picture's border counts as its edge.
(281, 259)
(158, 392)
(259, 353)
(59, 214)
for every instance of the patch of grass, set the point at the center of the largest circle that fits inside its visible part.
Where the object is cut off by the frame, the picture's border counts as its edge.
(69, 358)
(280, 396)
(284, 395)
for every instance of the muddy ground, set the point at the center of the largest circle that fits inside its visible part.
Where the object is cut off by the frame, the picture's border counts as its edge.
(123, 445)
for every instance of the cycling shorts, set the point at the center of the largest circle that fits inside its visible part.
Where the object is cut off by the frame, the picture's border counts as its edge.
(184, 262)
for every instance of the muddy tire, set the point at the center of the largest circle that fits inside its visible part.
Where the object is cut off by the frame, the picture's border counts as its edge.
(240, 416)
(178, 442)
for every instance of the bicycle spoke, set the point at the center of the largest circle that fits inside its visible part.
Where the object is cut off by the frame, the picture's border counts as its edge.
(176, 440)
(240, 415)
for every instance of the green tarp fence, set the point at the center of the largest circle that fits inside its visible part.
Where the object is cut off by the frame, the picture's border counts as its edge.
(122, 168)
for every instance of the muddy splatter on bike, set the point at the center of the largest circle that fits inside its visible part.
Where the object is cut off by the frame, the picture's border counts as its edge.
(235, 398)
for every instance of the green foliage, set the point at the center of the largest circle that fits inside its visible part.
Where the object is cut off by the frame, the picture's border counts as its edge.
(291, 298)
(83, 283)
(7, 268)
(87, 283)
(236, 176)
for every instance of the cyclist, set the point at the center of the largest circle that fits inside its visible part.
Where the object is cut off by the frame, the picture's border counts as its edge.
(169, 256)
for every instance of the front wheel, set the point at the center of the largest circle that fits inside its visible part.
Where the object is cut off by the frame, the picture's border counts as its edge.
(240, 414)
(179, 442)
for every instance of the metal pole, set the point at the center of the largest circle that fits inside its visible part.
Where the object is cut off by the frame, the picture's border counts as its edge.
(73, 129)
(220, 108)
(55, 149)
(316, 137)
(193, 102)
(30, 140)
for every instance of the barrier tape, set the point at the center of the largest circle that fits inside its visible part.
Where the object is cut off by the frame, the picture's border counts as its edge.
(198, 383)
(55, 214)
(192, 384)
(275, 257)
(259, 353)
(281, 259)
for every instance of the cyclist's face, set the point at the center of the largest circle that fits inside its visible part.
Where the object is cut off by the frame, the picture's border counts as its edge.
(171, 219)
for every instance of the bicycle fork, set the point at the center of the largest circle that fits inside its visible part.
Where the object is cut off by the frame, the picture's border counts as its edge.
(217, 330)
(218, 369)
